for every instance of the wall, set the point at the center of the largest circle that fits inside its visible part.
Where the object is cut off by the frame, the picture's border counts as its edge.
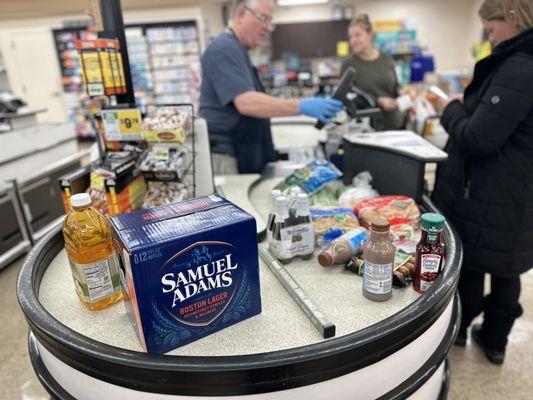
(32, 39)
(212, 18)
(310, 13)
(447, 28)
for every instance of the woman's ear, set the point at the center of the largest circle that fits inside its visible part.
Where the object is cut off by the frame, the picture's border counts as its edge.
(513, 18)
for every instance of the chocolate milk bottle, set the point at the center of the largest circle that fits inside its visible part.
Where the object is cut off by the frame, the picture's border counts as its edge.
(378, 256)
(343, 248)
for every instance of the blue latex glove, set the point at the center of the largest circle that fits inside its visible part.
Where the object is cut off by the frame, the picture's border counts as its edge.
(320, 108)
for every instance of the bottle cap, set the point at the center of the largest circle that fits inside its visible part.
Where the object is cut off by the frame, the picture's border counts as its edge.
(80, 200)
(432, 222)
(325, 259)
(380, 224)
(274, 194)
(282, 208)
(302, 201)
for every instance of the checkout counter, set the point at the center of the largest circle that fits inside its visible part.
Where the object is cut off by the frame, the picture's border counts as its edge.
(32, 159)
(391, 350)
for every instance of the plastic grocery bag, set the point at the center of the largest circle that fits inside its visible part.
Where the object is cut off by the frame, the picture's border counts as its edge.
(362, 190)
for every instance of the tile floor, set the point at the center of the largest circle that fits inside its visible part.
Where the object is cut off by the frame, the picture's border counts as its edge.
(472, 376)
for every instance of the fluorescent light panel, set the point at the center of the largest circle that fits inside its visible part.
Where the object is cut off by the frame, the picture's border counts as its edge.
(300, 2)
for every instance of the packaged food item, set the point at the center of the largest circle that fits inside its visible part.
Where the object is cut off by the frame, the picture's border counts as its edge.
(89, 247)
(343, 248)
(378, 256)
(312, 177)
(190, 269)
(396, 209)
(167, 124)
(161, 193)
(325, 197)
(429, 252)
(166, 162)
(292, 237)
(405, 237)
(404, 269)
(326, 220)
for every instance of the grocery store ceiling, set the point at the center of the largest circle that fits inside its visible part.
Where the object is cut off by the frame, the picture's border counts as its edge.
(16, 9)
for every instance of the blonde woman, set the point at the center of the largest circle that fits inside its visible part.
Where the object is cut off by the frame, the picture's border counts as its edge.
(486, 186)
(375, 71)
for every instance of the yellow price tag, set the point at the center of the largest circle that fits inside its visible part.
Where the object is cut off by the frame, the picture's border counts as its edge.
(122, 125)
(130, 122)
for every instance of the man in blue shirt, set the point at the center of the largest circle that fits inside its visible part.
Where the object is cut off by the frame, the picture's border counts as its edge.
(233, 101)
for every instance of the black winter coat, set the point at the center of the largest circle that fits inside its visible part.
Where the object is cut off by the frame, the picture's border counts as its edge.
(485, 188)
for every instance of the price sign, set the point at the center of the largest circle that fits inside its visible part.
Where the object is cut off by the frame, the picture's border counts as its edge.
(122, 125)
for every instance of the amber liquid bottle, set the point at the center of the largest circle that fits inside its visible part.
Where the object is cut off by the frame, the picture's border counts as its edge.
(89, 248)
(378, 255)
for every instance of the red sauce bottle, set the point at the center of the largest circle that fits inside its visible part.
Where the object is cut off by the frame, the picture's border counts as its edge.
(429, 252)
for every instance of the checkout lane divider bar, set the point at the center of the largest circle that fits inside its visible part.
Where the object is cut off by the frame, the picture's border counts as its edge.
(322, 324)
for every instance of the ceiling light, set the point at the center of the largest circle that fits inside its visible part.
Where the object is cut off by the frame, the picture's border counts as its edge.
(300, 2)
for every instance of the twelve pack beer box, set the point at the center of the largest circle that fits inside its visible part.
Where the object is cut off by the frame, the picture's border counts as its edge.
(189, 269)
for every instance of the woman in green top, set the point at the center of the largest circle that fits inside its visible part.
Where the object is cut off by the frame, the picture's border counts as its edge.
(375, 71)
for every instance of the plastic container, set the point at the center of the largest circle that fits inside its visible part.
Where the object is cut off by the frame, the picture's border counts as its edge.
(93, 261)
(429, 252)
(378, 255)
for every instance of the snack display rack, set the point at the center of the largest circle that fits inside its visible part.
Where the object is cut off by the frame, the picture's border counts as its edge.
(178, 147)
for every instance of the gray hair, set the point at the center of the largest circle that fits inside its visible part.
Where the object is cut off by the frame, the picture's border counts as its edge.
(235, 4)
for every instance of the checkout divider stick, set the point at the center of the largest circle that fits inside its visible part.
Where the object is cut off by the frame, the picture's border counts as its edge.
(311, 310)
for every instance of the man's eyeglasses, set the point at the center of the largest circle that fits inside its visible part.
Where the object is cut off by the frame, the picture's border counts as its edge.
(267, 21)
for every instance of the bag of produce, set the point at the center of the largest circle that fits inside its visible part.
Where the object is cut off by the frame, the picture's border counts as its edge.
(312, 177)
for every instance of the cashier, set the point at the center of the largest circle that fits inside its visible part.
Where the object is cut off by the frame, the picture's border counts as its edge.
(233, 101)
(375, 71)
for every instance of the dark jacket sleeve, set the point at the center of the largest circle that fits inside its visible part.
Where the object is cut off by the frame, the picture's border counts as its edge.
(505, 104)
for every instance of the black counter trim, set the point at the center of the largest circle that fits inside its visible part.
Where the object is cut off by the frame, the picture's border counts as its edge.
(401, 392)
(230, 375)
(47, 380)
(445, 388)
(430, 367)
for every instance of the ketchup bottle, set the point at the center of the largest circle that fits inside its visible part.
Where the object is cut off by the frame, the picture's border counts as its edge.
(429, 252)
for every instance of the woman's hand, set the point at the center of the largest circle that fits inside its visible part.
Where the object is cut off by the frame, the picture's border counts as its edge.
(444, 102)
(387, 103)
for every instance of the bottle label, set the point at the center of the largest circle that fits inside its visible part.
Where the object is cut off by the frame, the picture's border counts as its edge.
(432, 234)
(429, 270)
(299, 239)
(96, 280)
(356, 241)
(377, 278)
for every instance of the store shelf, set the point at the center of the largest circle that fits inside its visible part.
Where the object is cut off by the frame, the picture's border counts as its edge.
(175, 55)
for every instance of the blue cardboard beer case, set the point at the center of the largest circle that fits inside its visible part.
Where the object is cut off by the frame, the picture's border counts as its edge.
(189, 269)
